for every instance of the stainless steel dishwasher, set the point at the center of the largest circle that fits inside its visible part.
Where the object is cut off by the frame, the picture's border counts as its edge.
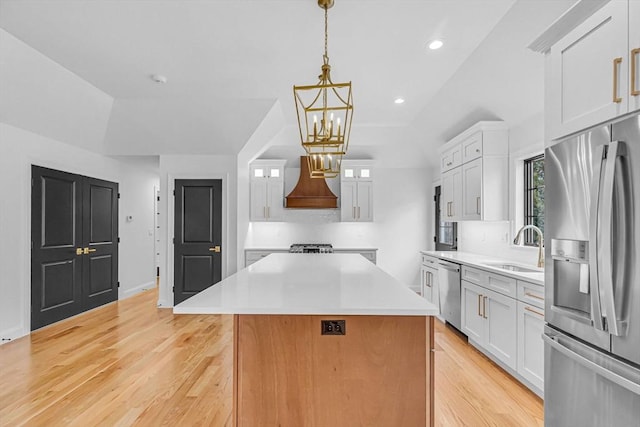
(449, 281)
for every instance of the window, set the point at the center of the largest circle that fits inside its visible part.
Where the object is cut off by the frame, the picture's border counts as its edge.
(446, 237)
(533, 197)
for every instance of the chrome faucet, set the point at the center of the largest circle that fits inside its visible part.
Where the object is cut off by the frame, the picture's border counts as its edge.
(516, 241)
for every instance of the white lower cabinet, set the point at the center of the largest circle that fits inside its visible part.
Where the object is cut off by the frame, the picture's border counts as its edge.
(472, 321)
(530, 344)
(504, 318)
(489, 320)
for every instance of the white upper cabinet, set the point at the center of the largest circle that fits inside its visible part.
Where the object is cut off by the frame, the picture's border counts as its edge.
(267, 190)
(356, 172)
(477, 188)
(451, 197)
(471, 147)
(356, 191)
(472, 190)
(451, 158)
(590, 70)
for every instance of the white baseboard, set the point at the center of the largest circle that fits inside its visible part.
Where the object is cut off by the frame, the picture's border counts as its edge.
(140, 288)
(9, 335)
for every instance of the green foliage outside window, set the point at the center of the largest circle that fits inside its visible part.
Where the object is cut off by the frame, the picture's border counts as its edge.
(533, 197)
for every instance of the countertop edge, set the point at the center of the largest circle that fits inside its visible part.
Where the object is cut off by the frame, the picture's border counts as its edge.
(281, 312)
(525, 277)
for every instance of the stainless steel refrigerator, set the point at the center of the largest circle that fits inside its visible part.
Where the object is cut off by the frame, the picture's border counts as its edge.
(592, 278)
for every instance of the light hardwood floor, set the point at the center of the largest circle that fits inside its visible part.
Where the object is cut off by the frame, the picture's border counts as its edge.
(130, 363)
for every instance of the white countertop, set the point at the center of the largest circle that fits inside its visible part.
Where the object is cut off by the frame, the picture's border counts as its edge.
(284, 283)
(287, 249)
(479, 261)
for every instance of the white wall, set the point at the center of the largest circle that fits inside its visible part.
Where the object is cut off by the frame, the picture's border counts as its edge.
(19, 150)
(402, 214)
(40, 95)
(196, 167)
(494, 238)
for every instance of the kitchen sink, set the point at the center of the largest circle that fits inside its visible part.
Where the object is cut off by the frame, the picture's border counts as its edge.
(513, 267)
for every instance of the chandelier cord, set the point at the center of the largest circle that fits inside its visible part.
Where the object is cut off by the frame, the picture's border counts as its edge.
(326, 35)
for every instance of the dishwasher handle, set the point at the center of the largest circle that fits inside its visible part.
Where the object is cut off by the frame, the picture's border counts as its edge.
(450, 267)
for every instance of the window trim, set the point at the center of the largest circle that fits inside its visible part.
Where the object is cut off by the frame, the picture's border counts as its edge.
(528, 189)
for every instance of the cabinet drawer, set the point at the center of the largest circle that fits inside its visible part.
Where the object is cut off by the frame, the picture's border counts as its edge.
(451, 158)
(472, 147)
(496, 282)
(430, 261)
(531, 293)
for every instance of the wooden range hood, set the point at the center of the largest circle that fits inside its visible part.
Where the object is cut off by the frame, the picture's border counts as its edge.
(310, 192)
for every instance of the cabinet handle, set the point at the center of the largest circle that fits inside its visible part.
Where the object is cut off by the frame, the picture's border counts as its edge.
(534, 311)
(268, 211)
(478, 205)
(484, 307)
(479, 302)
(358, 212)
(448, 163)
(453, 211)
(527, 294)
(353, 212)
(264, 212)
(477, 150)
(634, 84)
(616, 67)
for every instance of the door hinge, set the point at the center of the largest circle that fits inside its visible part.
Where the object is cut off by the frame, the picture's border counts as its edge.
(174, 240)
(174, 192)
(435, 239)
(118, 240)
(118, 195)
(158, 198)
(118, 284)
(435, 198)
(173, 289)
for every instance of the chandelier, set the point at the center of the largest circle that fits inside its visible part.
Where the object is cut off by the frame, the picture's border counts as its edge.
(324, 113)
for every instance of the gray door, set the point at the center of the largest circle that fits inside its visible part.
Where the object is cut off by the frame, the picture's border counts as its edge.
(74, 255)
(198, 236)
(100, 236)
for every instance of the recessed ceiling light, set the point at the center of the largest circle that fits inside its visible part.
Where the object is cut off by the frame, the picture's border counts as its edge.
(159, 78)
(435, 44)
(399, 100)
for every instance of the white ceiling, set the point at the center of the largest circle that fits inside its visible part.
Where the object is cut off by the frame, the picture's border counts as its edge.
(229, 62)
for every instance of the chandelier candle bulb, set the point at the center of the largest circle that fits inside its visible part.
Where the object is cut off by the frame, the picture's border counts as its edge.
(315, 128)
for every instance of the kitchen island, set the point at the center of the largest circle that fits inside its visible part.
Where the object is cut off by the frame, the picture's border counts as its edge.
(325, 340)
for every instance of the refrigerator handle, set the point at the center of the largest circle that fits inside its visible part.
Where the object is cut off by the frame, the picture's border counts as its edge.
(596, 310)
(556, 344)
(605, 261)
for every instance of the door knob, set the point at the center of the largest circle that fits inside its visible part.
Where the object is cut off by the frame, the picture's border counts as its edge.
(215, 249)
(79, 251)
(87, 251)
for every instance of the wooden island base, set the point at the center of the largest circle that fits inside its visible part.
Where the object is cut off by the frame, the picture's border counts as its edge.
(380, 373)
